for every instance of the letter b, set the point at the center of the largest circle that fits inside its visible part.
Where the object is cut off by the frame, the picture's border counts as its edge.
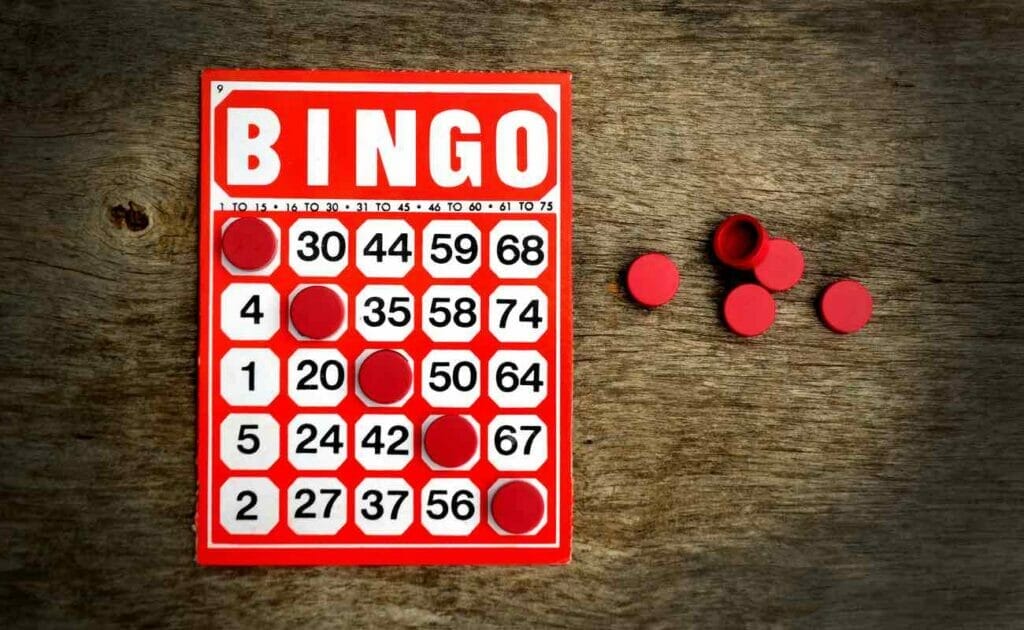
(242, 170)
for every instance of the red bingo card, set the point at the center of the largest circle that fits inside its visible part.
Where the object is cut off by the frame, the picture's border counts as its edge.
(385, 360)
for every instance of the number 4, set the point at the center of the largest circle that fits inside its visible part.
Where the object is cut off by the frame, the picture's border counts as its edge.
(252, 311)
(399, 247)
(530, 314)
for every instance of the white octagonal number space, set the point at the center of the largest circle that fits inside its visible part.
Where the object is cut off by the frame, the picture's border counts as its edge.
(316, 506)
(249, 505)
(517, 442)
(384, 312)
(517, 313)
(385, 248)
(317, 247)
(249, 377)
(384, 441)
(317, 377)
(451, 249)
(517, 378)
(250, 311)
(249, 441)
(518, 249)
(451, 313)
(384, 507)
(317, 441)
(451, 378)
(450, 507)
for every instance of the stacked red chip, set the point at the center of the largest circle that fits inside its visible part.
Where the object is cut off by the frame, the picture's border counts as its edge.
(741, 242)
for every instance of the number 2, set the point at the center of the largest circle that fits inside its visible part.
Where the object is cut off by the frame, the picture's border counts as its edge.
(243, 512)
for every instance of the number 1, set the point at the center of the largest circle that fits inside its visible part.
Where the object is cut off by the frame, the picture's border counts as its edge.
(250, 368)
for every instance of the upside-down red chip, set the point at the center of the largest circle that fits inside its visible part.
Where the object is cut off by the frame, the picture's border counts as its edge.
(740, 241)
(385, 376)
(517, 507)
(782, 267)
(248, 243)
(846, 306)
(450, 441)
(749, 310)
(652, 279)
(317, 312)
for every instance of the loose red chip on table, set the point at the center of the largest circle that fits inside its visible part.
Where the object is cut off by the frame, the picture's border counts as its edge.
(652, 279)
(782, 267)
(740, 241)
(385, 376)
(749, 310)
(317, 312)
(845, 306)
(517, 507)
(248, 243)
(450, 441)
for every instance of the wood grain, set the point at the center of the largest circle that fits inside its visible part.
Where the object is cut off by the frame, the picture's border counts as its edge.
(799, 479)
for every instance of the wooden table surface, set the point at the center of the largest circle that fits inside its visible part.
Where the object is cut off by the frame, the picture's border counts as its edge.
(801, 478)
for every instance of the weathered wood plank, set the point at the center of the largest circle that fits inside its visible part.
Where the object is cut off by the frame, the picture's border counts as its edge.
(797, 479)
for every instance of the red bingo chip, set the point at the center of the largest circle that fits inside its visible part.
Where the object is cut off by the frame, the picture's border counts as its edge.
(450, 441)
(249, 244)
(845, 306)
(782, 267)
(385, 377)
(652, 279)
(517, 507)
(749, 310)
(740, 241)
(317, 312)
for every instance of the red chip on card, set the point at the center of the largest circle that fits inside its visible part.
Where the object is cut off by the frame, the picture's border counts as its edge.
(317, 312)
(517, 507)
(450, 441)
(248, 243)
(385, 377)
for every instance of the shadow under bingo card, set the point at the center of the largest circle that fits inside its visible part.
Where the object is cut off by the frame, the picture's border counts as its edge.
(385, 368)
